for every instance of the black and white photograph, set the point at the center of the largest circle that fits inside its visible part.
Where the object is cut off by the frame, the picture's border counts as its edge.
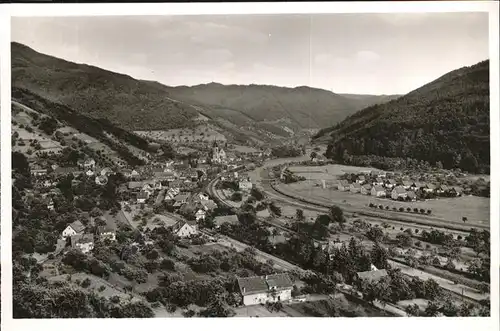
(252, 165)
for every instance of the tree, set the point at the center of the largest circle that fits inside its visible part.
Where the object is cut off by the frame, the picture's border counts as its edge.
(375, 233)
(299, 215)
(403, 239)
(337, 215)
(464, 219)
(432, 309)
(412, 310)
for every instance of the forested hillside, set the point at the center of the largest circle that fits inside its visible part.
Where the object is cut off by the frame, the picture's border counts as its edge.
(445, 122)
(98, 93)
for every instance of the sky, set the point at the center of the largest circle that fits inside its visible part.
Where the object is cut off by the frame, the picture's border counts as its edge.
(345, 53)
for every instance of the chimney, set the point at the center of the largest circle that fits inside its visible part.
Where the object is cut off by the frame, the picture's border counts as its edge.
(265, 277)
(243, 289)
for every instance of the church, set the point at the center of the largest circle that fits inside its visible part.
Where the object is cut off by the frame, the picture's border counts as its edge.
(218, 154)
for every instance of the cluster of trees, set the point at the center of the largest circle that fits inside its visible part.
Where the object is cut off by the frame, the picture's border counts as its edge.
(320, 228)
(287, 151)
(448, 308)
(396, 287)
(401, 209)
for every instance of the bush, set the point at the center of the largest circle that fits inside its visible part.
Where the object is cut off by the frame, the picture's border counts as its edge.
(416, 230)
(381, 207)
(418, 243)
(371, 205)
(422, 211)
(86, 283)
(101, 288)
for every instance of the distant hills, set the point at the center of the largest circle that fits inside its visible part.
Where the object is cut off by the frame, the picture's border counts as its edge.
(252, 112)
(445, 121)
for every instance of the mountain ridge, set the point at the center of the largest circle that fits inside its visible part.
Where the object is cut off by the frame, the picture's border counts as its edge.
(446, 121)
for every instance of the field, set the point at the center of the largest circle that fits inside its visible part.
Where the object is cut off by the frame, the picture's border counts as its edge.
(244, 149)
(329, 170)
(201, 133)
(476, 209)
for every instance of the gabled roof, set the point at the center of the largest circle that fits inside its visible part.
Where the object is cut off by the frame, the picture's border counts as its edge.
(367, 186)
(372, 276)
(356, 185)
(81, 239)
(262, 284)
(232, 219)
(210, 204)
(430, 186)
(392, 181)
(407, 183)
(399, 190)
(77, 226)
(181, 197)
(134, 185)
(104, 229)
(411, 195)
(344, 182)
(378, 188)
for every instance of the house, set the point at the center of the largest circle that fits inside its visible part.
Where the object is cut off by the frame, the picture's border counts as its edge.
(398, 193)
(456, 190)
(245, 185)
(378, 173)
(105, 232)
(89, 163)
(355, 187)
(142, 196)
(429, 188)
(83, 242)
(73, 229)
(101, 180)
(378, 181)
(183, 229)
(200, 214)
(50, 203)
(229, 219)
(181, 198)
(261, 289)
(343, 185)
(107, 171)
(390, 183)
(411, 196)
(366, 189)
(208, 204)
(361, 179)
(407, 184)
(371, 276)
(89, 173)
(417, 186)
(378, 191)
(135, 174)
(203, 196)
(443, 189)
(37, 172)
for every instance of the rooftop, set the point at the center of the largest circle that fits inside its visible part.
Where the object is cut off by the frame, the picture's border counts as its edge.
(260, 284)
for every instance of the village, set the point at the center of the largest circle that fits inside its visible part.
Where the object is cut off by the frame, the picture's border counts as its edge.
(207, 202)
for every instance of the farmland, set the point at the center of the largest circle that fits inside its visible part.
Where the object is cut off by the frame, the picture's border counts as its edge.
(201, 133)
(476, 209)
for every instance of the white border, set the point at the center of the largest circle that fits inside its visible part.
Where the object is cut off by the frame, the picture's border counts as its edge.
(454, 324)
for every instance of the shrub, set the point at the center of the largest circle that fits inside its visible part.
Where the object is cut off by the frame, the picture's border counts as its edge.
(101, 288)
(401, 209)
(86, 283)
(418, 243)
(422, 211)
(416, 230)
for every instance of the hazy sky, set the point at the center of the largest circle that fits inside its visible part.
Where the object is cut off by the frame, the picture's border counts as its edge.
(345, 53)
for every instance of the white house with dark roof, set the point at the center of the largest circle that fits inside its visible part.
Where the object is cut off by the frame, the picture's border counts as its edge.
(343, 185)
(366, 189)
(105, 232)
(75, 228)
(399, 192)
(355, 188)
(378, 191)
(83, 242)
(183, 229)
(200, 214)
(261, 289)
